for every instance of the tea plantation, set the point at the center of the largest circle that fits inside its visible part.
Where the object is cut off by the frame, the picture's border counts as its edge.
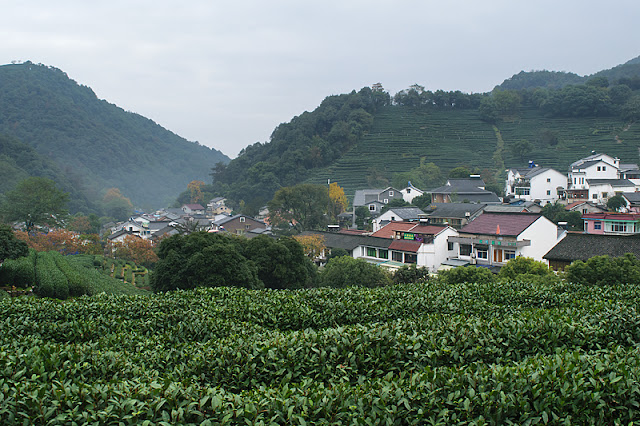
(429, 353)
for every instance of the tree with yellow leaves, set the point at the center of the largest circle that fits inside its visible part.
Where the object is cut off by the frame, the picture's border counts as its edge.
(313, 245)
(337, 199)
(195, 187)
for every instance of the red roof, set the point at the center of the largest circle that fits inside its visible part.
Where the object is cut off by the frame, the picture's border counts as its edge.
(511, 224)
(389, 230)
(427, 229)
(404, 245)
(612, 216)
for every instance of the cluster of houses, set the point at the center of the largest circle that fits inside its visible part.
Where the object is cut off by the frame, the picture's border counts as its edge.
(215, 217)
(469, 225)
(465, 224)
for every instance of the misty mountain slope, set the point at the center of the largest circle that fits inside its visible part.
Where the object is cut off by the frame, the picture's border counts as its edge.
(99, 142)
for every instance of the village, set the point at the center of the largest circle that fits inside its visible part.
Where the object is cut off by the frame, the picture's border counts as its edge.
(465, 224)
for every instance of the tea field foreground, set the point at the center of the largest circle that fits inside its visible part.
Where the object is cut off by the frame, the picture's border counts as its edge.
(411, 354)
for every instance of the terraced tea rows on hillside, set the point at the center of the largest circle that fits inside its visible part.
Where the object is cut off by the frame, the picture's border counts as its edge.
(576, 139)
(411, 354)
(400, 137)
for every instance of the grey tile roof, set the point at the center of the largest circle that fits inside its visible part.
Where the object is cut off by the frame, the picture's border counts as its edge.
(407, 213)
(363, 196)
(454, 210)
(612, 182)
(633, 197)
(578, 246)
(350, 242)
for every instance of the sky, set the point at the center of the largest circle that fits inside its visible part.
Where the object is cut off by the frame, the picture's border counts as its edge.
(226, 74)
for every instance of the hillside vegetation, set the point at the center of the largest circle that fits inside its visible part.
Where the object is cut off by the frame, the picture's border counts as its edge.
(429, 353)
(95, 144)
(365, 138)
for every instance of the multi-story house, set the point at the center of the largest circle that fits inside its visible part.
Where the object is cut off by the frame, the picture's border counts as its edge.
(600, 176)
(495, 238)
(468, 190)
(541, 184)
(612, 223)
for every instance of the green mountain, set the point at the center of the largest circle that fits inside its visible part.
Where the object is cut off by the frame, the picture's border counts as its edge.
(556, 79)
(92, 145)
(370, 138)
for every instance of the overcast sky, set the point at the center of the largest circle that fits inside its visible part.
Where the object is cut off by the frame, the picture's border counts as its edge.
(226, 74)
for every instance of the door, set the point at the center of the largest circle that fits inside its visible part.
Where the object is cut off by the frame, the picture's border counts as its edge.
(497, 255)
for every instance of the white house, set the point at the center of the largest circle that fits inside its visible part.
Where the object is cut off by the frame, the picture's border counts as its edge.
(397, 214)
(599, 176)
(411, 192)
(495, 238)
(535, 183)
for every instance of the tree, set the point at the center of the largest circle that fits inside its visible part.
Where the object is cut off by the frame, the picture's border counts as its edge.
(466, 274)
(345, 271)
(518, 266)
(520, 149)
(459, 172)
(203, 259)
(10, 246)
(117, 205)
(313, 245)
(195, 188)
(302, 206)
(136, 249)
(337, 200)
(605, 270)
(36, 201)
(281, 263)
(616, 202)
(422, 201)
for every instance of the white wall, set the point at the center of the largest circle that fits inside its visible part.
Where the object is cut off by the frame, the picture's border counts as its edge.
(540, 186)
(543, 235)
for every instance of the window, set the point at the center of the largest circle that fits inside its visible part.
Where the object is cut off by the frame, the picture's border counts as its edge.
(390, 193)
(548, 192)
(574, 181)
(482, 253)
(599, 168)
(386, 201)
(410, 258)
(508, 255)
(396, 256)
(372, 207)
(408, 190)
(371, 252)
(604, 168)
(548, 179)
(465, 249)
(450, 246)
(597, 225)
(247, 226)
(584, 211)
(383, 254)
(594, 196)
(243, 219)
(618, 227)
(522, 191)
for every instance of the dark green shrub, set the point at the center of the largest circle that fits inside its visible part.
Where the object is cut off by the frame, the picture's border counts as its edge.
(346, 271)
(50, 281)
(338, 252)
(410, 274)
(605, 270)
(466, 274)
(514, 268)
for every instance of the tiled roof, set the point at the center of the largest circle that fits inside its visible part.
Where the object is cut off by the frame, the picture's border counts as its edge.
(350, 242)
(194, 206)
(404, 245)
(612, 182)
(389, 231)
(612, 216)
(510, 224)
(633, 197)
(456, 210)
(579, 246)
(407, 212)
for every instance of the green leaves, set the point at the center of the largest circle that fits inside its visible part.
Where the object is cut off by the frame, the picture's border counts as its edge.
(429, 353)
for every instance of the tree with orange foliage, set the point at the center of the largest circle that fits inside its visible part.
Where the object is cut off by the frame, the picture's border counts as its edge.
(313, 245)
(133, 248)
(62, 241)
(195, 187)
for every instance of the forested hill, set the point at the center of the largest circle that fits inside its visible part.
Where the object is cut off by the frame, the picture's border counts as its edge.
(93, 144)
(370, 138)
